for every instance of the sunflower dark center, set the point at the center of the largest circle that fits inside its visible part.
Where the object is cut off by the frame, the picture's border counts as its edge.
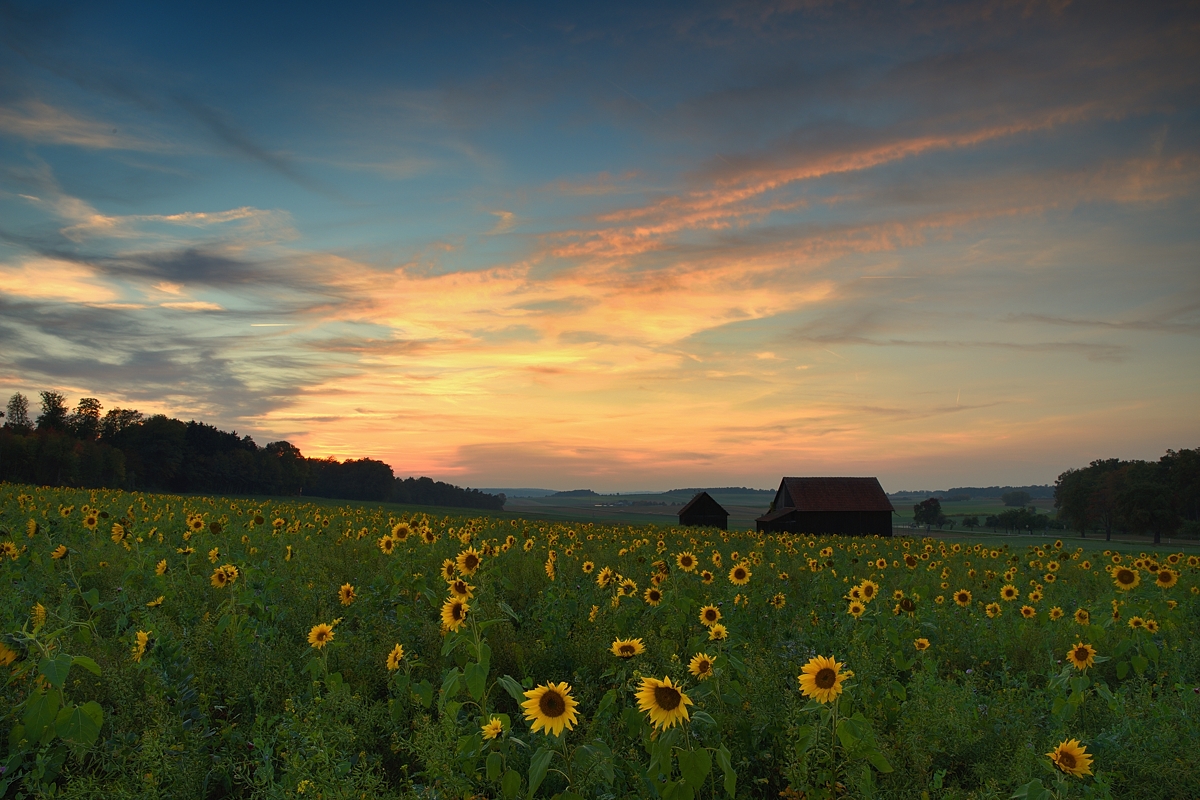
(704, 666)
(1081, 654)
(686, 561)
(456, 611)
(907, 604)
(868, 590)
(710, 615)
(471, 562)
(739, 573)
(1125, 575)
(667, 698)
(1066, 759)
(825, 678)
(552, 704)
(627, 650)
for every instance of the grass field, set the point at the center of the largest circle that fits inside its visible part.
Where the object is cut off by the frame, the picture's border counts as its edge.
(161, 646)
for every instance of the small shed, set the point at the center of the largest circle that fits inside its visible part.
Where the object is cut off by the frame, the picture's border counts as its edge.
(702, 510)
(847, 506)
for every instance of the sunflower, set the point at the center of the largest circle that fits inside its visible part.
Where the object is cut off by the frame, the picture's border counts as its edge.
(962, 597)
(1009, 593)
(386, 545)
(1137, 623)
(718, 633)
(706, 576)
(1056, 613)
(627, 587)
(401, 531)
(710, 615)
(428, 536)
(821, 679)
(907, 605)
(1126, 578)
(468, 561)
(551, 708)
(701, 666)
(454, 613)
(156, 602)
(1082, 617)
(59, 553)
(219, 579)
(686, 561)
(869, 590)
(856, 609)
(90, 521)
(1035, 596)
(921, 644)
(779, 600)
(1166, 578)
(320, 635)
(628, 648)
(395, 657)
(588, 566)
(605, 577)
(346, 594)
(1081, 655)
(460, 588)
(139, 647)
(663, 701)
(161, 567)
(1028, 612)
(1072, 758)
(739, 575)
(992, 610)
(492, 728)
(1152, 626)
(652, 596)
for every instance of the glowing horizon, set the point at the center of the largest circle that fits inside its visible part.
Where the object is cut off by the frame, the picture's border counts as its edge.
(619, 248)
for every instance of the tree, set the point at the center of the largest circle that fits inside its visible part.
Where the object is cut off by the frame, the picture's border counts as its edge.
(1015, 498)
(117, 421)
(54, 412)
(16, 415)
(84, 422)
(928, 512)
(1144, 501)
(970, 522)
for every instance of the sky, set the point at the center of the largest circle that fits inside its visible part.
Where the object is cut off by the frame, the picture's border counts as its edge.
(615, 245)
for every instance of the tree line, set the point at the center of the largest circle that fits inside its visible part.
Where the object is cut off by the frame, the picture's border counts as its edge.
(1161, 498)
(122, 449)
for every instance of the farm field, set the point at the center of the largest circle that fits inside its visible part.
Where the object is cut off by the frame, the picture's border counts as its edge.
(165, 646)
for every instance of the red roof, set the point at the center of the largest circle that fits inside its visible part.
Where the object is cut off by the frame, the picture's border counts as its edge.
(835, 494)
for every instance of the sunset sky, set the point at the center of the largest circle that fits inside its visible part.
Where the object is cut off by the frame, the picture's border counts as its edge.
(618, 246)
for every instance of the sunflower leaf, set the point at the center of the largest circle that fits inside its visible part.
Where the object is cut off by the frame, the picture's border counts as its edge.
(87, 663)
(1122, 669)
(695, 765)
(476, 675)
(510, 784)
(55, 669)
(80, 725)
(726, 765)
(537, 769)
(512, 687)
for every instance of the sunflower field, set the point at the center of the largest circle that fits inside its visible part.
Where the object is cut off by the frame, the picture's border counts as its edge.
(205, 647)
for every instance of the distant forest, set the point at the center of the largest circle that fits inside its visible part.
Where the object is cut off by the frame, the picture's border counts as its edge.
(1161, 497)
(123, 450)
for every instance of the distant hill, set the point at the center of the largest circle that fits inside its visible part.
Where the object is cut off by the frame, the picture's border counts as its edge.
(725, 490)
(1038, 492)
(576, 493)
(520, 492)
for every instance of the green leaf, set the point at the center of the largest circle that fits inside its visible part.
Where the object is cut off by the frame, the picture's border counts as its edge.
(568, 796)
(507, 609)
(1122, 669)
(476, 674)
(847, 733)
(423, 692)
(898, 691)
(80, 725)
(449, 686)
(804, 739)
(537, 769)
(724, 762)
(40, 711)
(1031, 791)
(512, 687)
(87, 663)
(91, 597)
(1151, 651)
(1121, 647)
(510, 784)
(878, 761)
(495, 762)
(606, 703)
(695, 765)
(1139, 663)
(704, 718)
(55, 669)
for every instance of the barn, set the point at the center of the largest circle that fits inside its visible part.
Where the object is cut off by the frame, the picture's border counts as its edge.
(847, 506)
(704, 511)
